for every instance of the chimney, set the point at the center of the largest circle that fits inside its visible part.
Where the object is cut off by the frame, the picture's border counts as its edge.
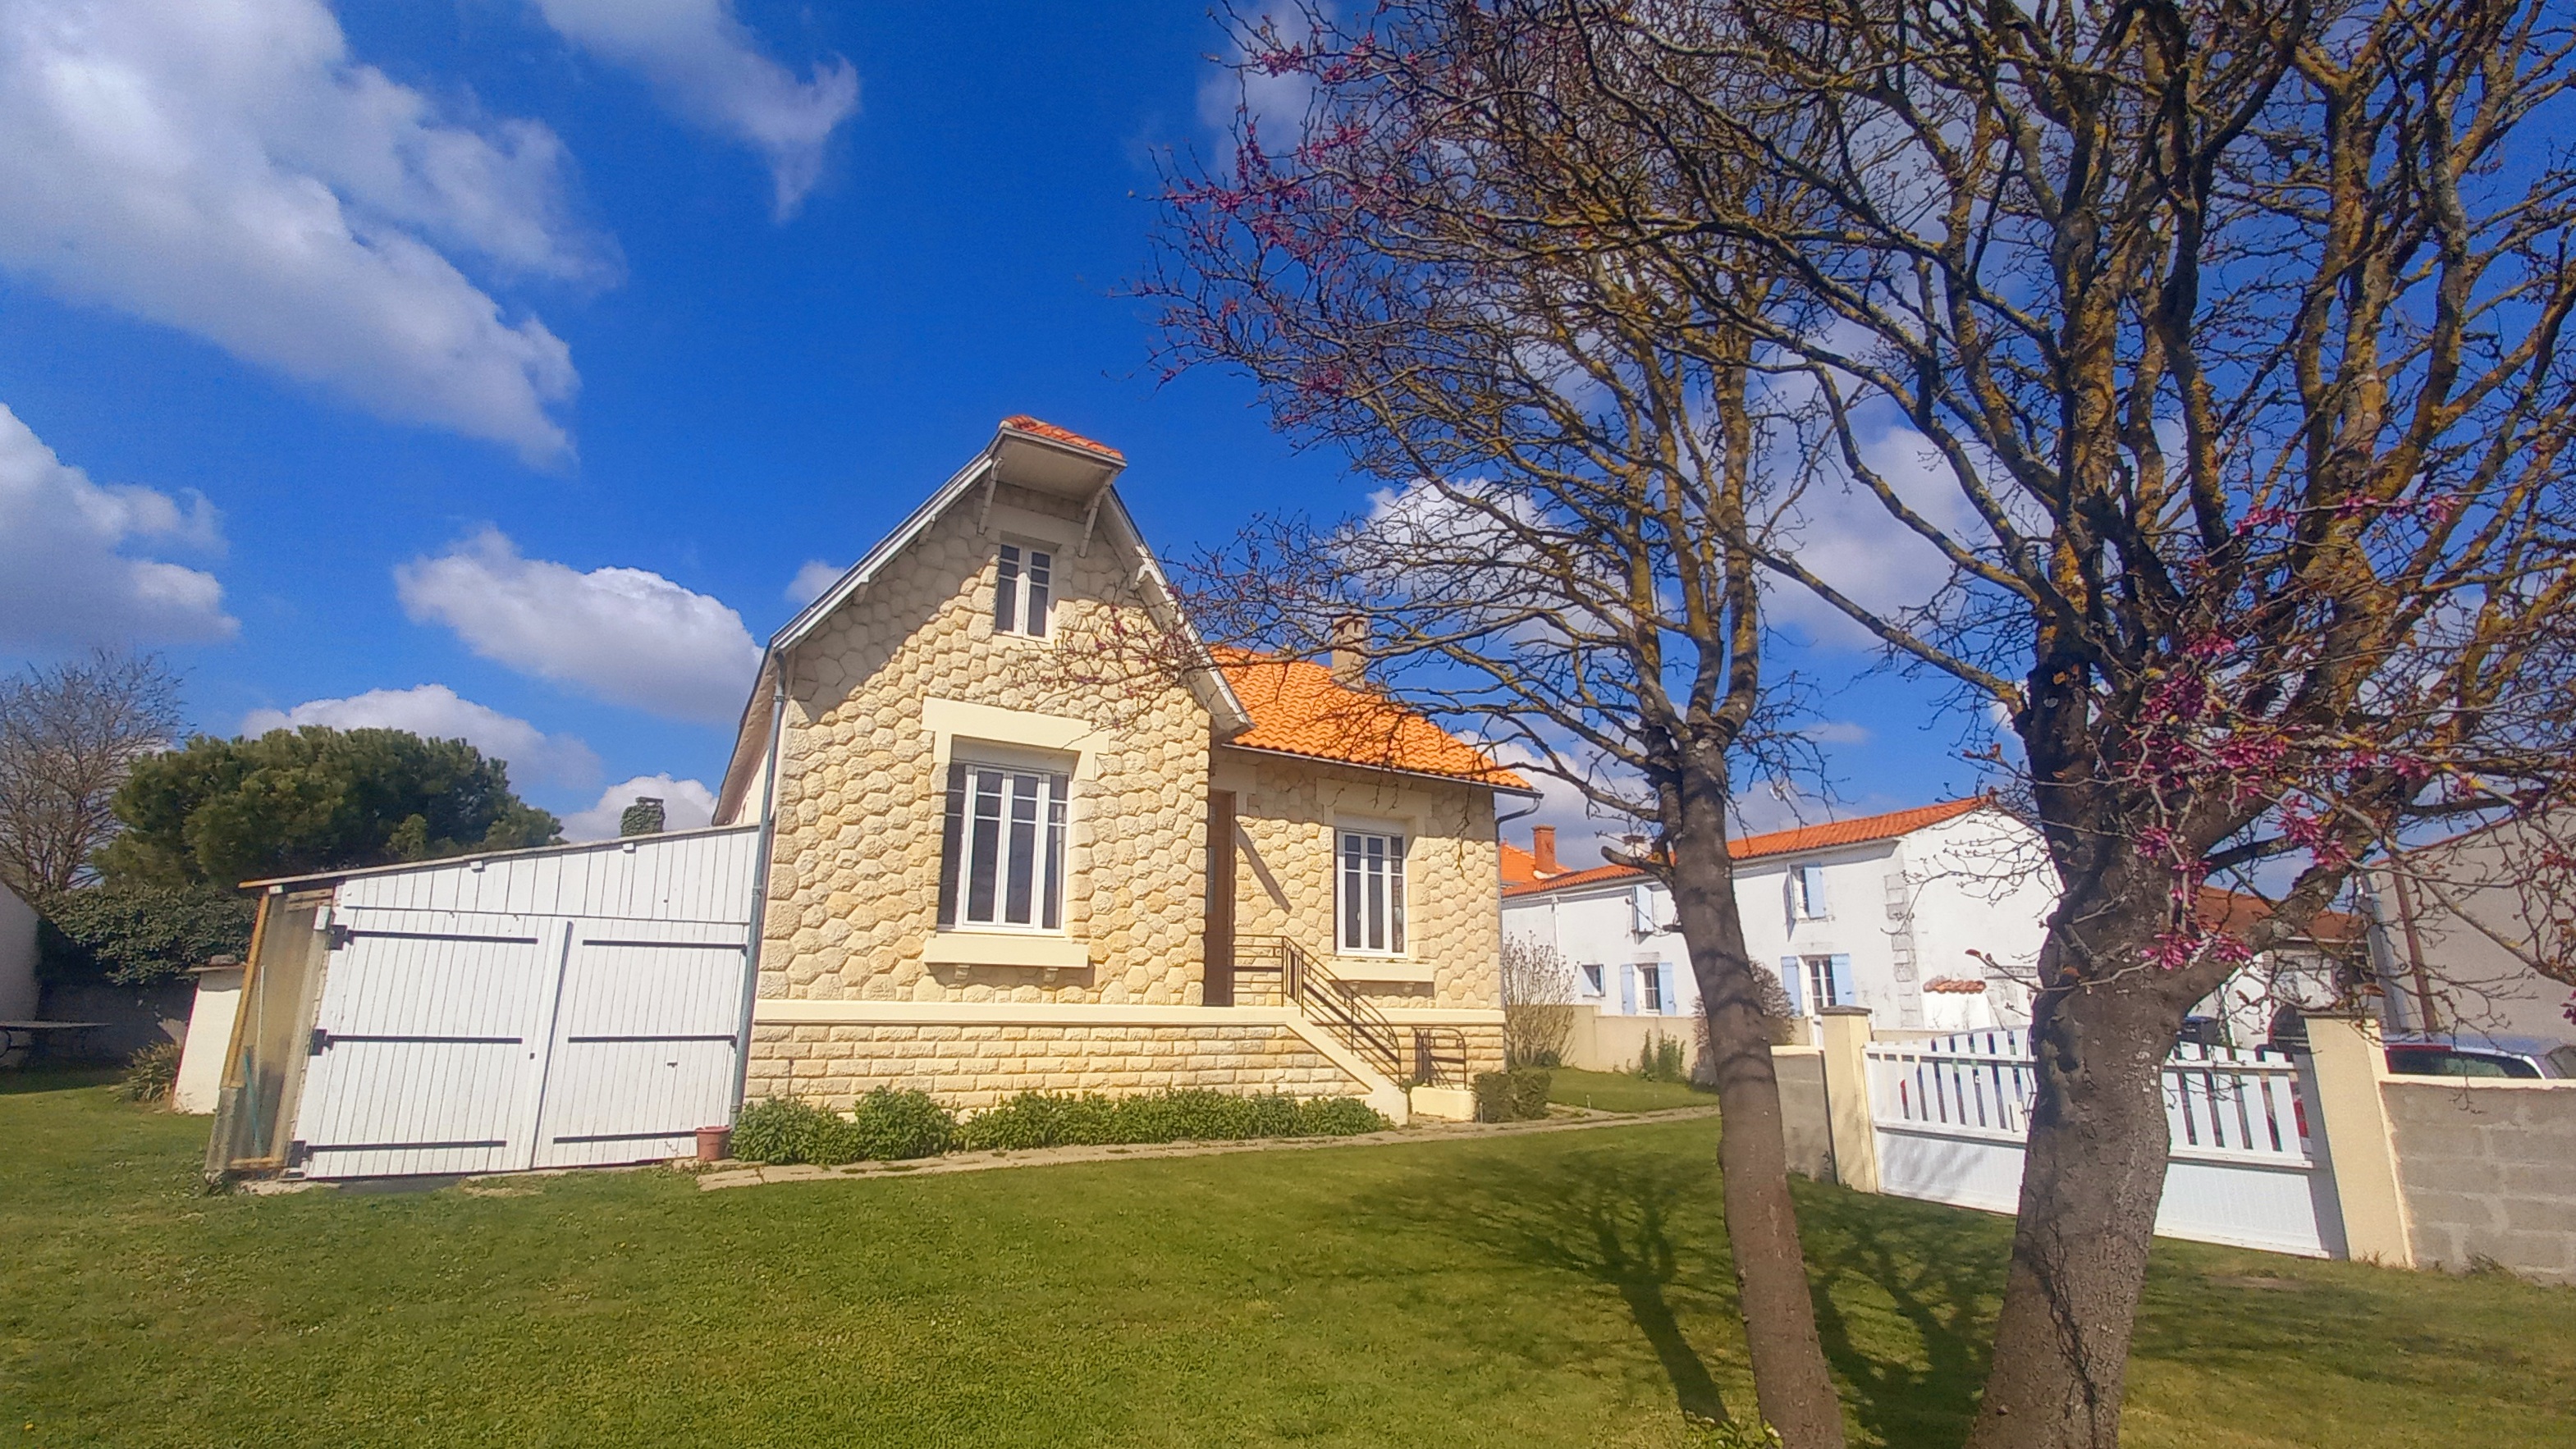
(644, 817)
(1543, 848)
(1349, 658)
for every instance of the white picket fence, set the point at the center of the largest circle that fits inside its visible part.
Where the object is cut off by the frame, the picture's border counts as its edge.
(1951, 1114)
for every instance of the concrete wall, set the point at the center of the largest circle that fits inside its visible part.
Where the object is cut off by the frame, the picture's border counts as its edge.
(131, 1017)
(18, 990)
(2488, 1173)
(1804, 1120)
(1608, 1042)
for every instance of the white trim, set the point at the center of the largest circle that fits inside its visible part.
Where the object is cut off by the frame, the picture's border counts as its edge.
(975, 946)
(949, 719)
(1368, 967)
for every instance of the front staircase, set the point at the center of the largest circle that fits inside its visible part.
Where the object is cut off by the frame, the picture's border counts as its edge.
(1395, 1057)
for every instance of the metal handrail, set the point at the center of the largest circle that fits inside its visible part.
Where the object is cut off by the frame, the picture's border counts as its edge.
(1332, 1003)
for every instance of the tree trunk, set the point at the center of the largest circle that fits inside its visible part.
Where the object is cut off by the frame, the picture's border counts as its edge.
(2091, 1179)
(1791, 1383)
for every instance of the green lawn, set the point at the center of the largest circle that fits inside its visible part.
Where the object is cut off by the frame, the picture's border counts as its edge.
(1552, 1289)
(1620, 1092)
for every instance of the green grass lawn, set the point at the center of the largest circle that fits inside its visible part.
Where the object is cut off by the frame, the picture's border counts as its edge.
(1556, 1289)
(1620, 1092)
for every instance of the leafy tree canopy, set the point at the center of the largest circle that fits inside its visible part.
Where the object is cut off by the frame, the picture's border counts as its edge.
(294, 801)
(138, 935)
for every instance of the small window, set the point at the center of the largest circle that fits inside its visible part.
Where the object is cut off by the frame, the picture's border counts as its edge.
(1371, 887)
(1829, 980)
(1811, 892)
(1001, 863)
(1023, 583)
(1650, 987)
(1592, 985)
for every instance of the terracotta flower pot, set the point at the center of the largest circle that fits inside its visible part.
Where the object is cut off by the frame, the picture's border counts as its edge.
(715, 1144)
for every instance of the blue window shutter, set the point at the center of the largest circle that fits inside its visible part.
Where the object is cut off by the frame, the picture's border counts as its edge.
(1627, 990)
(1641, 905)
(1844, 995)
(1811, 887)
(1664, 975)
(1791, 972)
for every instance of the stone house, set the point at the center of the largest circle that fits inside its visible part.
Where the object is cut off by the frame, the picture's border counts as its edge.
(1025, 832)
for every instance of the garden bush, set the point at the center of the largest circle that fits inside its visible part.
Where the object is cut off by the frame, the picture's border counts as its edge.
(885, 1126)
(1038, 1119)
(1662, 1060)
(1519, 1095)
(151, 1073)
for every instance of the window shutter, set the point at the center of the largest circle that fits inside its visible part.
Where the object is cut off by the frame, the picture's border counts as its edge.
(952, 838)
(1811, 889)
(1791, 970)
(1641, 906)
(1664, 978)
(1844, 995)
(1628, 990)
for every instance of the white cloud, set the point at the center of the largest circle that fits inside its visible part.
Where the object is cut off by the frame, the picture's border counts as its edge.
(63, 577)
(1839, 732)
(230, 171)
(812, 580)
(622, 635)
(434, 711)
(1850, 540)
(709, 68)
(1275, 104)
(686, 805)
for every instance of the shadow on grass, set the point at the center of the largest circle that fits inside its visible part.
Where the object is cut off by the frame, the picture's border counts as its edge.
(1905, 1296)
(55, 1077)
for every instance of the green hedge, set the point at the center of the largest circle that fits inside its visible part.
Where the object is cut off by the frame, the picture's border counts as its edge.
(885, 1126)
(888, 1125)
(139, 935)
(1036, 1119)
(1519, 1095)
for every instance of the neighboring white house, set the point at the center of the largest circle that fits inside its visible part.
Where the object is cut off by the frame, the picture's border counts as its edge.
(1931, 918)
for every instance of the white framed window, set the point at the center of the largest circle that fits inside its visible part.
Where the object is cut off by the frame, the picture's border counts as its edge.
(1369, 875)
(1809, 882)
(1001, 863)
(1591, 981)
(1023, 590)
(1829, 980)
(1650, 983)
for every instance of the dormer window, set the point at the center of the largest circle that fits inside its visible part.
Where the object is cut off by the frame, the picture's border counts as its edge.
(1023, 582)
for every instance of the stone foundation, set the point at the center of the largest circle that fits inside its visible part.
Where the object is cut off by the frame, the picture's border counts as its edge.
(972, 1066)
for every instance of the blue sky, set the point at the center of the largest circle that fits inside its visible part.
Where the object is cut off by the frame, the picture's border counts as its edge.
(375, 334)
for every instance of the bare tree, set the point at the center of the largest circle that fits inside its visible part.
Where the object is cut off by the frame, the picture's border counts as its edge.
(1562, 564)
(2229, 338)
(68, 737)
(1538, 1004)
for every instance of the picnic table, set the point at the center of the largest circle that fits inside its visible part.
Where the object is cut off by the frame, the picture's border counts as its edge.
(18, 1038)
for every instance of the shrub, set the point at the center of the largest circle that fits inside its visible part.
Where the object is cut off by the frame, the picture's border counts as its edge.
(890, 1126)
(1037, 1119)
(1662, 1059)
(137, 935)
(1538, 1004)
(151, 1073)
(1518, 1095)
(791, 1129)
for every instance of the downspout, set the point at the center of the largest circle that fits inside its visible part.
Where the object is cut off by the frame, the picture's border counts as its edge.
(2430, 1022)
(760, 884)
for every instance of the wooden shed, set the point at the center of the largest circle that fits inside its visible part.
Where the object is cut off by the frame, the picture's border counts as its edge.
(564, 1006)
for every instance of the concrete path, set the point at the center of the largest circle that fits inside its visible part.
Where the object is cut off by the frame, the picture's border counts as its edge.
(1572, 1119)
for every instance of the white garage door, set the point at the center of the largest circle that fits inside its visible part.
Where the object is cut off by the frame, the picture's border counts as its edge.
(453, 1042)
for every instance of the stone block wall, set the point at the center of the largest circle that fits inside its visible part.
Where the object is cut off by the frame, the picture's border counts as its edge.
(1286, 813)
(972, 1066)
(2488, 1173)
(854, 878)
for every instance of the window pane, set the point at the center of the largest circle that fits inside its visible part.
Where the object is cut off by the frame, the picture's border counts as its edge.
(1006, 591)
(1041, 574)
(1054, 900)
(1019, 897)
(1350, 892)
(984, 847)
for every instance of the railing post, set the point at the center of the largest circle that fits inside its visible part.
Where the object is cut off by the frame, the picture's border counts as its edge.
(2348, 1127)
(1845, 1038)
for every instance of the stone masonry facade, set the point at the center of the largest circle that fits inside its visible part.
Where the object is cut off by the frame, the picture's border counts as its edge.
(973, 1066)
(859, 805)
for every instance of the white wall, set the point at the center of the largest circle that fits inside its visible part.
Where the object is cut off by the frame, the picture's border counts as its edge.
(1900, 911)
(17, 958)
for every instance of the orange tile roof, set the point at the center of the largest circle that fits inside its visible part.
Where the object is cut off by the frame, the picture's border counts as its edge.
(2235, 913)
(1297, 709)
(1857, 831)
(1023, 423)
(1519, 866)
